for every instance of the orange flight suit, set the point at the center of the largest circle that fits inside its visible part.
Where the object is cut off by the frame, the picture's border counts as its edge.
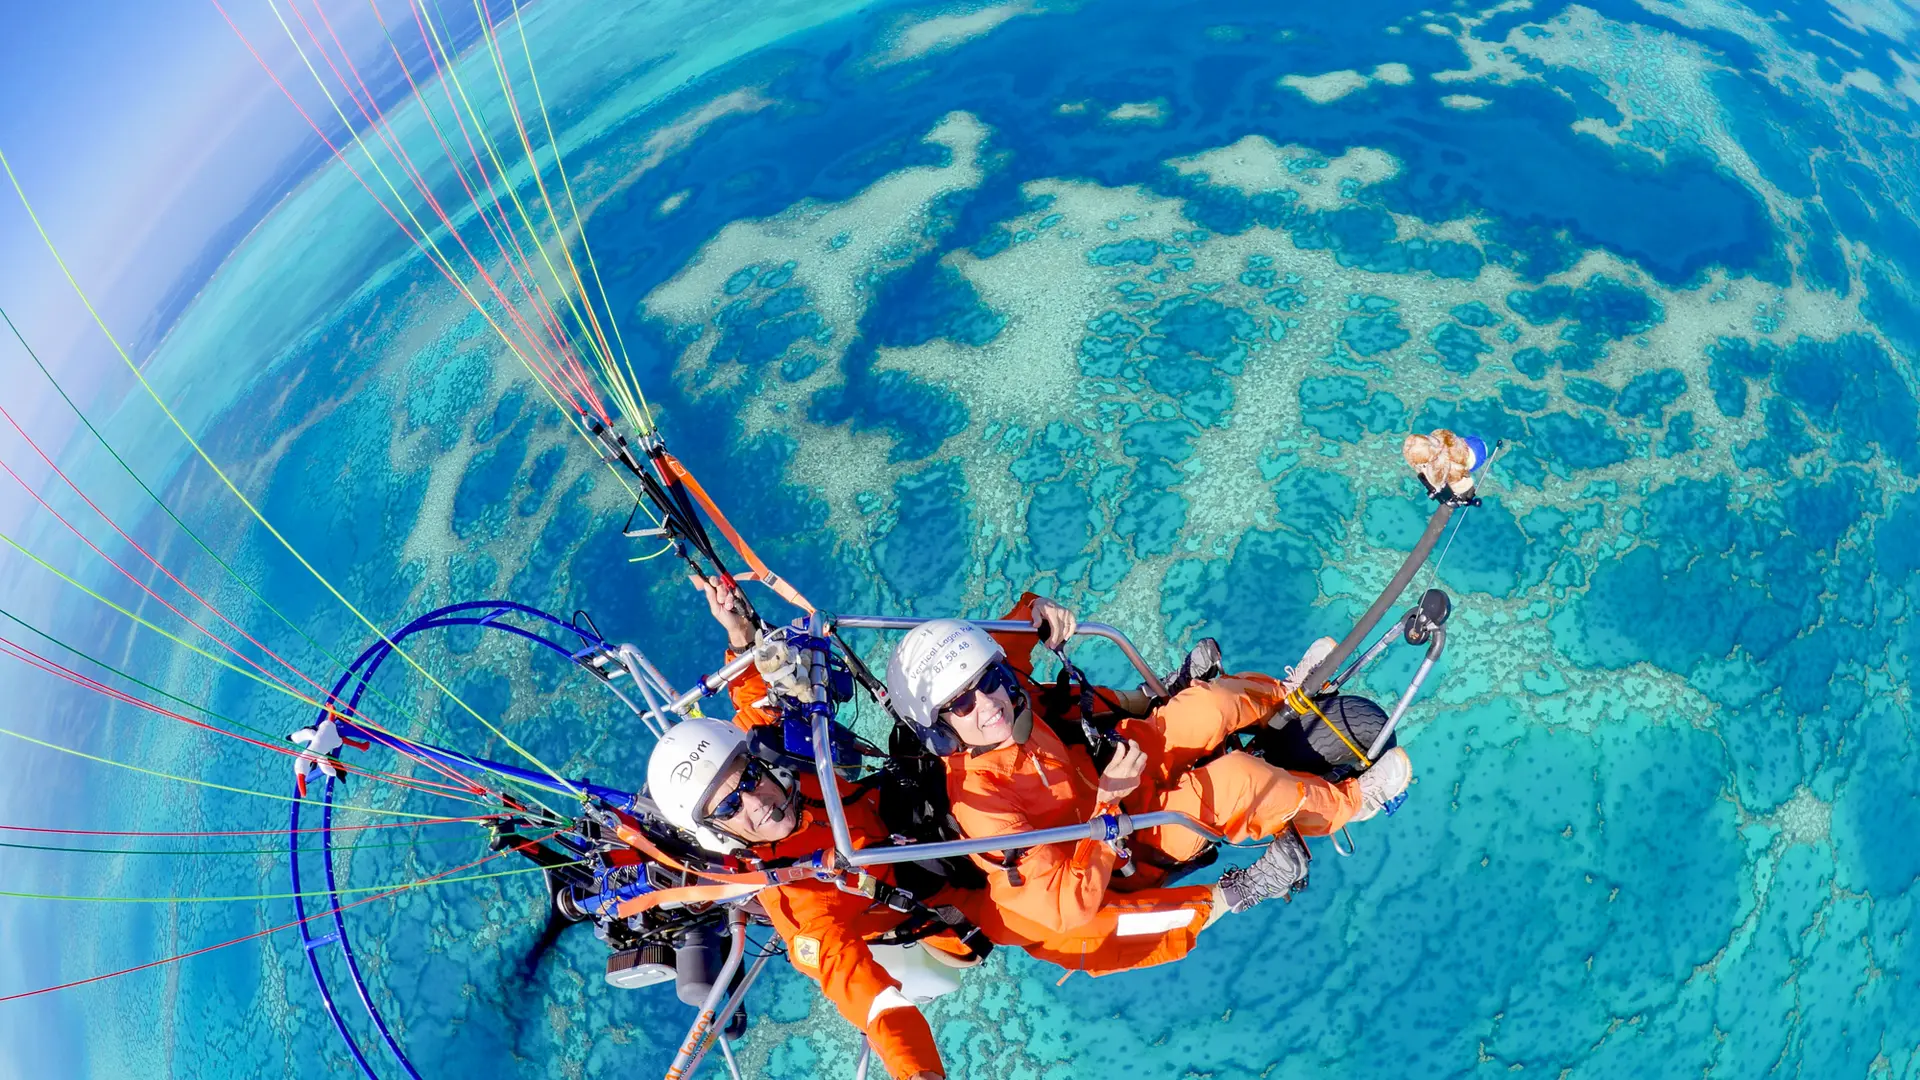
(826, 929)
(1056, 889)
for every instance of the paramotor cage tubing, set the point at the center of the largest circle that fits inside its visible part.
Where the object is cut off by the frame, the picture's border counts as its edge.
(1012, 626)
(1098, 829)
(726, 1010)
(1439, 645)
(694, 1046)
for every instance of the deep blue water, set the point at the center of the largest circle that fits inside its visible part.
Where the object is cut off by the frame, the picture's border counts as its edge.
(1667, 774)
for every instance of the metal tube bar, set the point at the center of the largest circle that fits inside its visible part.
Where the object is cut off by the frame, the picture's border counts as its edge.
(866, 1056)
(686, 1059)
(1415, 559)
(1367, 657)
(346, 942)
(823, 753)
(976, 845)
(726, 1051)
(637, 662)
(313, 945)
(712, 684)
(1419, 676)
(638, 667)
(1013, 626)
(732, 1003)
(645, 715)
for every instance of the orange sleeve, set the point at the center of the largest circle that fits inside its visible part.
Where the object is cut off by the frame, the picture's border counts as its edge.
(813, 917)
(1019, 646)
(745, 690)
(1062, 886)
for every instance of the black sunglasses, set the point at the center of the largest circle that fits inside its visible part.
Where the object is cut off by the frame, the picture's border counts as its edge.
(995, 677)
(750, 775)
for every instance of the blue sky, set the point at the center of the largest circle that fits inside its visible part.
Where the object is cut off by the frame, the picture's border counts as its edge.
(149, 141)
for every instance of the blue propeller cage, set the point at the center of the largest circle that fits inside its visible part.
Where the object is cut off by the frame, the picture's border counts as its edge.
(487, 615)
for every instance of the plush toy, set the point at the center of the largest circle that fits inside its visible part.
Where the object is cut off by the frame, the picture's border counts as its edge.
(1445, 460)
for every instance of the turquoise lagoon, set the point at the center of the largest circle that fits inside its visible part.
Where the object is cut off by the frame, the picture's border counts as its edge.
(1130, 303)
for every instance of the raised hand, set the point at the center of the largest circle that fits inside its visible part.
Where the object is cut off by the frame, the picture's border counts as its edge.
(1055, 623)
(727, 607)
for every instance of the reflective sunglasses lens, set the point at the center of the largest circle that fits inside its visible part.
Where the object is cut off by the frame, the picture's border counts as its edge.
(750, 774)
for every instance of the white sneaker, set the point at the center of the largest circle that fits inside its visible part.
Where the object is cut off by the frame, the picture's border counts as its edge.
(1315, 653)
(1384, 783)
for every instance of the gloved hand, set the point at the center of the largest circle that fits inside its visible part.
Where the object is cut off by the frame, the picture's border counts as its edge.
(320, 740)
(1055, 623)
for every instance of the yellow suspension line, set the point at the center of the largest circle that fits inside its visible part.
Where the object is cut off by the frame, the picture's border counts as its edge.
(643, 419)
(357, 891)
(539, 177)
(588, 323)
(248, 503)
(309, 702)
(210, 784)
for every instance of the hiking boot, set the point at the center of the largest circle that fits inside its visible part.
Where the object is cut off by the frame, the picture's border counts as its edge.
(1383, 786)
(1316, 652)
(1201, 664)
(1279, 871)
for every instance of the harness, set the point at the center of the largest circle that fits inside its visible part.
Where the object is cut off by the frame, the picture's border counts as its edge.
(921, 919)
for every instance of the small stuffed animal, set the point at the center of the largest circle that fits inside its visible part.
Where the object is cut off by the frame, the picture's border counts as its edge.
(1445, 460)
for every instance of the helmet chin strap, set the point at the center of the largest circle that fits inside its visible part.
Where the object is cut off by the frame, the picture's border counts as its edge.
(1022, 711)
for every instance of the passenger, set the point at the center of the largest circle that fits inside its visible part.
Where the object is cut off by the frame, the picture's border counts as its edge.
(1007, 774)
(706, 781)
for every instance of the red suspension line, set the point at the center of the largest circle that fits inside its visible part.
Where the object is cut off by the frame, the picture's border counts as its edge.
(418, 242)
(177, 957)
(390, 140)
(32, 659)
(443, 770)
(255, 832)
(549, 315)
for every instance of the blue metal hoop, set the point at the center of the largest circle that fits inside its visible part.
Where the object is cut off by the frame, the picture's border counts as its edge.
(360, 673)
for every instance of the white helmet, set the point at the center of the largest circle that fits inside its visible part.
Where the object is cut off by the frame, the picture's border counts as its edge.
(933, 663)
(685, 768)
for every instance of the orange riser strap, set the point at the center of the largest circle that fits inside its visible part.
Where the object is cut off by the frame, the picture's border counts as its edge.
(760, 572)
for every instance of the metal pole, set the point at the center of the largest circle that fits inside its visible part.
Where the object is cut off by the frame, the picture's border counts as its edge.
(866, 1055)
(637, 662)
(727, 1010)
(1435, 524)
(1367, 657)
(713, 683)
(1419, 676)
(693, 1048)
(649, 690)
(1011, 626)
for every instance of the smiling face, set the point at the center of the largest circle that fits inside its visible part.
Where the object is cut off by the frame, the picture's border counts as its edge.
(763, 816)
(989, 723)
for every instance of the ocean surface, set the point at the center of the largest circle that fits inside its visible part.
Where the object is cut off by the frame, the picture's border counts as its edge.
(1130, 303)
